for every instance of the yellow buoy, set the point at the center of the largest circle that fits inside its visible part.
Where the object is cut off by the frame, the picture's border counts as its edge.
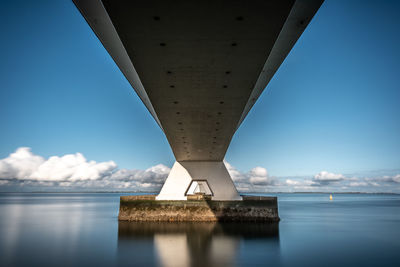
(330, 197)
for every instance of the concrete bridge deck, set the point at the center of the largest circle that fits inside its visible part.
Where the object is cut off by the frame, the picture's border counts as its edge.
(198, 67)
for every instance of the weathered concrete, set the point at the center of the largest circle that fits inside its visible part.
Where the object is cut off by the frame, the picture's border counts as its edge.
(146, 208)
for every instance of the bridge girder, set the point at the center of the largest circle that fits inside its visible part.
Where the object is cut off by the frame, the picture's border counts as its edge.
(198, 66)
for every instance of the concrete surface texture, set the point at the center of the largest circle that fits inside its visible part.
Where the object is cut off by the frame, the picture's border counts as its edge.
(259, 209)
(214, 172)
(198, 66)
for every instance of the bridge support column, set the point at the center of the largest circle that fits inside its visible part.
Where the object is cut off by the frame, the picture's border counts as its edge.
(183, 173)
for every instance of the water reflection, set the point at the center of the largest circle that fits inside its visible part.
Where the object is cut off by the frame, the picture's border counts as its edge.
(195, 244)
(83, 230)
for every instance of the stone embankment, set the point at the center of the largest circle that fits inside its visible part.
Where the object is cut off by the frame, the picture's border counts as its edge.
(146, 208)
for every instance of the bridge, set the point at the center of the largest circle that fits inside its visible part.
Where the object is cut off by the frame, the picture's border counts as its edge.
(198, 67)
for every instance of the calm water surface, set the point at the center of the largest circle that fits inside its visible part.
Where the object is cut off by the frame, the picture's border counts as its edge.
(83, 230)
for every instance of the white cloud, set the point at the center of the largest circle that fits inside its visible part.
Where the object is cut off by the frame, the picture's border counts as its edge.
(301, 184)
(75, 171)
(259, 176)
(366, 182)
(395, 178)
(72, 167)
(23, 169)
(387, 179)
(254, 180)
(20, 164)
(354, 184)
(152, 176)
(374, 184)
(292, 182)
(236, 175)
(325, 176)
(24, 165)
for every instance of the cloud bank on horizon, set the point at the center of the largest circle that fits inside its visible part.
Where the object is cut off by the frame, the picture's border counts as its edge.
(25, 171)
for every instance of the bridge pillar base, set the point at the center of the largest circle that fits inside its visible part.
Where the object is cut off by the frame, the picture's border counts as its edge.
(185, 172)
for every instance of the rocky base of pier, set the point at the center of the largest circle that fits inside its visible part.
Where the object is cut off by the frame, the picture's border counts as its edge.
(147, 208)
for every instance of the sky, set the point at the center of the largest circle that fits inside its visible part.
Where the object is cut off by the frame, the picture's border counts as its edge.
(329, 120)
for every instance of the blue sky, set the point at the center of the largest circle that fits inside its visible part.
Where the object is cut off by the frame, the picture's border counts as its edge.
(334, 104)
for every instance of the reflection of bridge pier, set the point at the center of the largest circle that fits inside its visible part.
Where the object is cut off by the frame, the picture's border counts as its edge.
(199, 67)
(197, 244)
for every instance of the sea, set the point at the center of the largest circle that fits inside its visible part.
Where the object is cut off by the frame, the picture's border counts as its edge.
(82, 229)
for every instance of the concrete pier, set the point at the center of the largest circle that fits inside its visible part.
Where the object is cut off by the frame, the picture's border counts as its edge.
(198, 67)
(147, 208)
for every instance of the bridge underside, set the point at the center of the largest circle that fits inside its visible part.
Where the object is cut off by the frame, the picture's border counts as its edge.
(198, 66)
